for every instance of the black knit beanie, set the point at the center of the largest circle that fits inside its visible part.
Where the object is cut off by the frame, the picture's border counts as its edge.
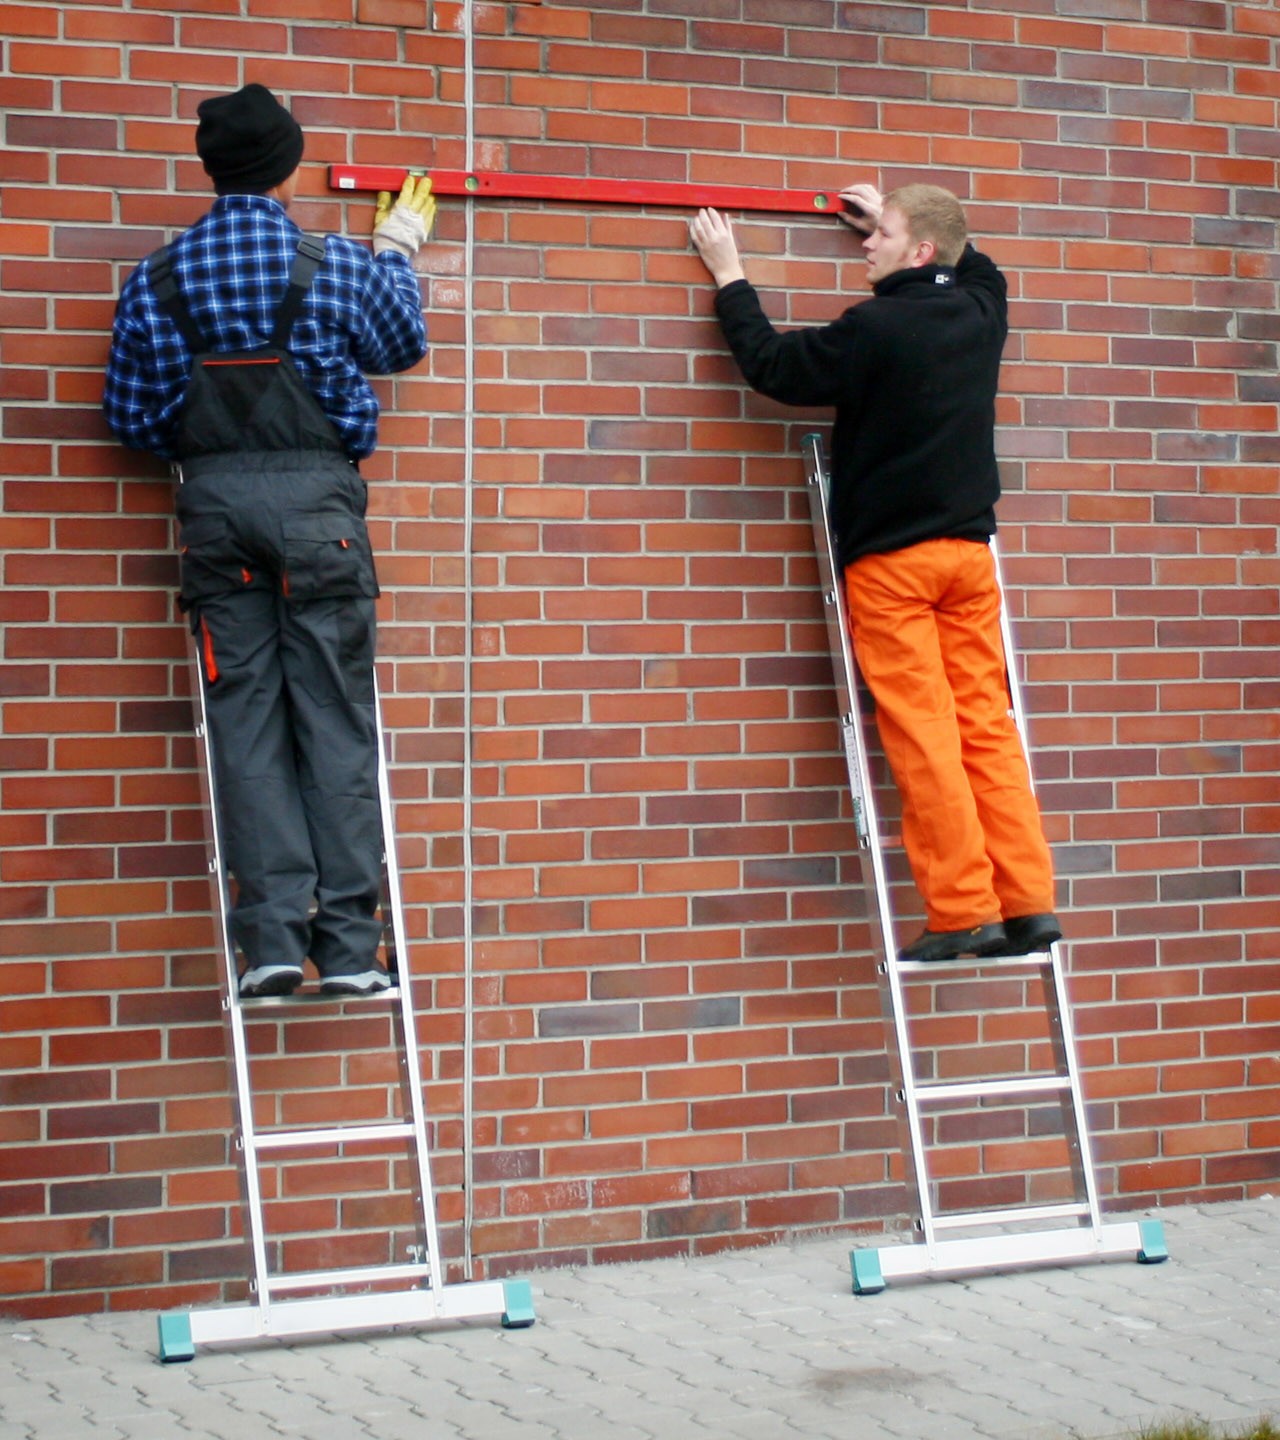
(248, 140)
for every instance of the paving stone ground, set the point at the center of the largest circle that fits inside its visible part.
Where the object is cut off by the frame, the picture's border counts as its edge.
(766, 1344)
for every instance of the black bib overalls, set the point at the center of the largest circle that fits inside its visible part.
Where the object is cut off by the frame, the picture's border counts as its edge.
(278, 579)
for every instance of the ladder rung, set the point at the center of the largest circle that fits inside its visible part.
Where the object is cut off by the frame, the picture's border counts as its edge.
(963, 1220)
(335, 1135)
(312, 997)
(939, 969)
(310, 1279)
(942, 1091)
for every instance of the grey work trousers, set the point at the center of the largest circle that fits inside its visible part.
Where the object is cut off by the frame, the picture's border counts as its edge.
(278, 579)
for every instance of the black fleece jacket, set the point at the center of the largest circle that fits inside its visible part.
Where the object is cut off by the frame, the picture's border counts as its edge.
(912, 374)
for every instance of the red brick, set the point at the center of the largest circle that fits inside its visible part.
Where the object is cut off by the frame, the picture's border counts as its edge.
(64, 60)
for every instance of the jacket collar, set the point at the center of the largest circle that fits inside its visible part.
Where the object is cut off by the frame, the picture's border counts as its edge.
(938, 277)
(239, 200)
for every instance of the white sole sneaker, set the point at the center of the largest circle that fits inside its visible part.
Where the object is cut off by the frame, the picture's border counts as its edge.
(264, 980)
(367, 982)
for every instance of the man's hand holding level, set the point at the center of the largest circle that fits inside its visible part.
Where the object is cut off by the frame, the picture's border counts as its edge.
(404, 226)
(860, 207)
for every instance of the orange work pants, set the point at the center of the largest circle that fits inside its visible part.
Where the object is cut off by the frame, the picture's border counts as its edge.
(926, 634)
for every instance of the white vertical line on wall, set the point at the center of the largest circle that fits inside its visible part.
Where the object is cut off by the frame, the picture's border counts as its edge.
(468, 393)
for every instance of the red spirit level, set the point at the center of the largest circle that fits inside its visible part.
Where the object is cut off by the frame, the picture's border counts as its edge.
(495, 185)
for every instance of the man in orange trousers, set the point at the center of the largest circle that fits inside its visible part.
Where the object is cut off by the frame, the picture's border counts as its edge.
(912, 374)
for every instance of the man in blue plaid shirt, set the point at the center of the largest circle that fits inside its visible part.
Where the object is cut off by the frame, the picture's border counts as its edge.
(240, 352)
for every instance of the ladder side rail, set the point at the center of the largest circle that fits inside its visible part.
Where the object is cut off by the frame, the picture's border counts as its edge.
(411, 1062)
(1011, 661)
(1063, 1033)
(842, 659)
(251, 1184)
(1061, 1026)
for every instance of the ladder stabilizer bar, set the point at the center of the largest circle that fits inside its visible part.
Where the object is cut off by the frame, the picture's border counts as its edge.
(872, 1268)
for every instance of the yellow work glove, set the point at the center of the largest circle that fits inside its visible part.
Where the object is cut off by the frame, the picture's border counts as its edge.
(404, 226)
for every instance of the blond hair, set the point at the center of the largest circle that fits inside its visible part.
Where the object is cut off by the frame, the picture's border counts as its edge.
(932, 213)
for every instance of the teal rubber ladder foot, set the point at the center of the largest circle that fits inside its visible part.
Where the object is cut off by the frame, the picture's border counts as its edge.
(517, 1299)
(175, 1337)
(867, 1276)
(1151, 1239)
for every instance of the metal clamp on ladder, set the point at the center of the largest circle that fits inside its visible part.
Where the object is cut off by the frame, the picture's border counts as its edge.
(384, 1292)
(1024, 1213)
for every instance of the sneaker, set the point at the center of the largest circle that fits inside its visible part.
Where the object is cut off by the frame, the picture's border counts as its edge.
(364, 982)
(261, 980)
(951, 944)
(1031, 932)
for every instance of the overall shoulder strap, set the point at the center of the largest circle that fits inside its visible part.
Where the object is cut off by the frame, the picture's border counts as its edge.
(165, 288)
(306, 262)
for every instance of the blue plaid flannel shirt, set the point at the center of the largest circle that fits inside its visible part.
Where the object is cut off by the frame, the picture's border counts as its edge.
(362, 314)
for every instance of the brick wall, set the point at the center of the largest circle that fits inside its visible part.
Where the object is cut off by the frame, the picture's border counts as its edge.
(676, 1033)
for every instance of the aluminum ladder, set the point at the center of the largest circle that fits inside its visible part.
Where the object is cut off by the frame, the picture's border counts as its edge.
(959, 1241)
(371, 1297)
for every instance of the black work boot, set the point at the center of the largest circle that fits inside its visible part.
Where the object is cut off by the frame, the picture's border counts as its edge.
(952, 944)
(1031, 932)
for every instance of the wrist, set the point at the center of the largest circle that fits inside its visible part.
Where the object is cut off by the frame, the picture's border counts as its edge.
(384, 245)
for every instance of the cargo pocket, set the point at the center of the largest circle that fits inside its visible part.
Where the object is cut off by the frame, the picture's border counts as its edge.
(206, 559)
(326, 553)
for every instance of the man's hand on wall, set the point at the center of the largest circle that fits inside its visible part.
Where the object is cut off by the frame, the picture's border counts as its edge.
(713, 236)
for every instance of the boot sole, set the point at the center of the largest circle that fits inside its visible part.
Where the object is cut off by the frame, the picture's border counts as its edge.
(285, 983)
